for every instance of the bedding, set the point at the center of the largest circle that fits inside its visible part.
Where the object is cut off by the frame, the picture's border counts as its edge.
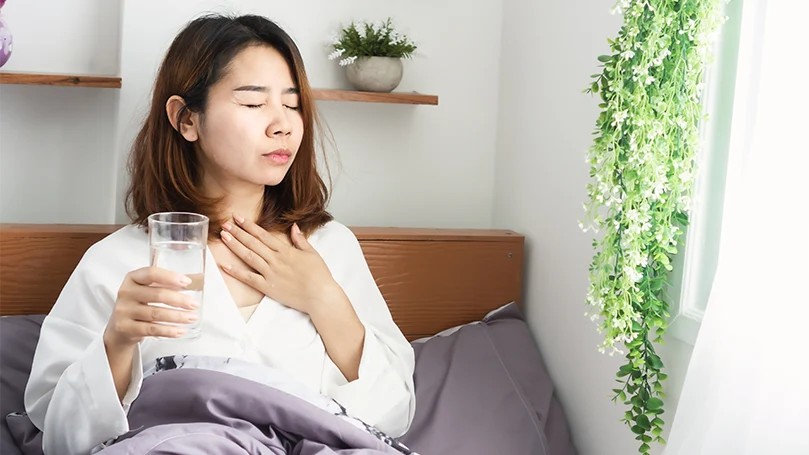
(480, 388)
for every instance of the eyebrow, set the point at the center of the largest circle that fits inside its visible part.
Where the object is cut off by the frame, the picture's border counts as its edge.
(264, 89)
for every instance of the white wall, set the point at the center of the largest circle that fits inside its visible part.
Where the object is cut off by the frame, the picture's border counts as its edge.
(57, 143)
(549, 50)
(402, 165)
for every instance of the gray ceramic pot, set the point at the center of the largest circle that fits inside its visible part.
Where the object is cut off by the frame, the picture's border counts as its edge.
(375, 74)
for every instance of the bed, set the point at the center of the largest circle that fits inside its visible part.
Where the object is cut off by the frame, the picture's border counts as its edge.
(481, 384)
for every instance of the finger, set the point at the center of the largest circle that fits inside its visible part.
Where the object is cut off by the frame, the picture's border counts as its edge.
(270, 240)
(252, 279)
(141, 329)
(152, 313)
(170, 297)
(257, 261)
(299, 239)
(148, 276)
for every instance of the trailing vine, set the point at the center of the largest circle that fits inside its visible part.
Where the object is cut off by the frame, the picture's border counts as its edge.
(642, 166)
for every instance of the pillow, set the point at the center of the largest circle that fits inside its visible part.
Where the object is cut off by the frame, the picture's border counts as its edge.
(18, 341)
(483, 388)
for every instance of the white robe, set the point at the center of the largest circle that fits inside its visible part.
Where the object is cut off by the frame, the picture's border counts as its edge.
(71, 396)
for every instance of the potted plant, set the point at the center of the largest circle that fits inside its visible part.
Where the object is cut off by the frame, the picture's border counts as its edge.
(372, 55)
(6, 43)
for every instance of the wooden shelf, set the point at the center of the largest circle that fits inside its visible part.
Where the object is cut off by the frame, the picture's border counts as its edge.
(66, 80)
(69, 80)
(373, 97)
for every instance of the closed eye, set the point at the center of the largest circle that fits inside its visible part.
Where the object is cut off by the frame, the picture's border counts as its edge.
(254, 106)
(294, 108)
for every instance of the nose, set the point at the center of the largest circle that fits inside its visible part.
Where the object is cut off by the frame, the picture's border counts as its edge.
(280, 125)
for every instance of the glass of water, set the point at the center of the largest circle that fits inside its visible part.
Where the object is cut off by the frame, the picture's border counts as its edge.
(178, 242)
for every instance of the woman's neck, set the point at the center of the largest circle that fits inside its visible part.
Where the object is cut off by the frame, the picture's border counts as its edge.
(243, 199)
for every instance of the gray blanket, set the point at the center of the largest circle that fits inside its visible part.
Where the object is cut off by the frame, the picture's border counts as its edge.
(201, 405)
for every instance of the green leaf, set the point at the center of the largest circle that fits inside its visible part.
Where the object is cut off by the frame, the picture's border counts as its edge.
(644, 394)
(594, 87)
(643, 422)
(655, 362)
(604, 58)
(657, 431)
(662, 376)
(645, 448)
(595, 75)
(638, 430)
(660, 440)
(654, 404)
(622, 396)
(658, 422)
(637, 402)
(646, 438)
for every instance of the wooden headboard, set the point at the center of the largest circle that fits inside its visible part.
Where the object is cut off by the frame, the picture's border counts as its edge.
(432, 279)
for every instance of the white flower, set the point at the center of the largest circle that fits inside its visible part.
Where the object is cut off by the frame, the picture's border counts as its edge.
(619, 117)
(336, 54)
(628, 54)
(347, 61)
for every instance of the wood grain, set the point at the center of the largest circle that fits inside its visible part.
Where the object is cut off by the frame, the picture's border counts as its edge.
(432, 279)
(373, 97)
(60, 80)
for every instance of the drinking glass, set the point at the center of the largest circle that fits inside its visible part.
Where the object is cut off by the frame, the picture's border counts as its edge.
(178, 242)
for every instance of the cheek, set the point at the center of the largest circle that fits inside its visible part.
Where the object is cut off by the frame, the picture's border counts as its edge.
(298, 130)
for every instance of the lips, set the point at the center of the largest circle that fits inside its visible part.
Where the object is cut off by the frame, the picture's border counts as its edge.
(280, 156)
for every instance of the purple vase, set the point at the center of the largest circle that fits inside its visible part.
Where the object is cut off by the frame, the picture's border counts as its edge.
(6, 43)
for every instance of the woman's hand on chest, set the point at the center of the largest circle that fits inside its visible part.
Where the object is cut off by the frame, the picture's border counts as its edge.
(285, 268)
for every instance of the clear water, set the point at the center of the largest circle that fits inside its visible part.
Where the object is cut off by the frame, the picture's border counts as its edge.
(187, 258)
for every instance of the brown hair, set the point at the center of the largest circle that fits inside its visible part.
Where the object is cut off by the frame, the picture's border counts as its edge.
(163, 166)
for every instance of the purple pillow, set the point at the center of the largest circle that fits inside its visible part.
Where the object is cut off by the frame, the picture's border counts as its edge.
(483, 388)
(18, 342)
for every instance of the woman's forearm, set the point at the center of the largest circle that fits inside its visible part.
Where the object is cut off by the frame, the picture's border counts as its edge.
(342, 332)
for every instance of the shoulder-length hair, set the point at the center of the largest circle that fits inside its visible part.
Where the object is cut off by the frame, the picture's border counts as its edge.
(164, 169)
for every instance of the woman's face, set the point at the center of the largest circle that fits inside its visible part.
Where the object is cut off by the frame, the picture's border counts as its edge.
(252, 127)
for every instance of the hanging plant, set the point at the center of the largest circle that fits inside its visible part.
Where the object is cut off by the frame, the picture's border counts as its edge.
(642, 167)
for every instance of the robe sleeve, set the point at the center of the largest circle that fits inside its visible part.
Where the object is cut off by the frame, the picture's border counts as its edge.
(384, 393)
(70, 395)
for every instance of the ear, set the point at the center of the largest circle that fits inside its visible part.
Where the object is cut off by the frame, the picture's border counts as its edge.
(188, 125)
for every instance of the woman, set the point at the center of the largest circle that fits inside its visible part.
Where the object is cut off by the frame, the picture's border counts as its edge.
(231, 135)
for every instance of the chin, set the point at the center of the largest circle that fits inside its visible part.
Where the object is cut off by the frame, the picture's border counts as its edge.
(272, 179)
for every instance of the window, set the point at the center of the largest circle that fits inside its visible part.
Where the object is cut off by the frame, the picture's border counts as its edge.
(695, 266)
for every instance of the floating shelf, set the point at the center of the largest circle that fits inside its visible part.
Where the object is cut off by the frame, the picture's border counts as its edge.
(68, 80)
(374, 97)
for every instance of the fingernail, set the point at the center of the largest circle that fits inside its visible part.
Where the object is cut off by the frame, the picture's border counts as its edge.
(192, 302)
(184, 280)
(179, 332)
(226, 236)
(192, 317)
(227, 267)
(227, 226)
(238, 218)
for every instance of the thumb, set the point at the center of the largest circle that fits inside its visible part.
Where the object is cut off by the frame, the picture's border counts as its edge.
(299, 240)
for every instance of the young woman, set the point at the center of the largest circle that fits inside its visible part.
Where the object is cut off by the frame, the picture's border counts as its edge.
(231, 135)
